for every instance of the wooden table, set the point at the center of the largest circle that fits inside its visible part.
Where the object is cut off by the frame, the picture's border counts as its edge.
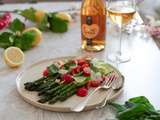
(141, 73)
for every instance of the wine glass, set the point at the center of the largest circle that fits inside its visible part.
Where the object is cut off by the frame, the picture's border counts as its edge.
(121, 12)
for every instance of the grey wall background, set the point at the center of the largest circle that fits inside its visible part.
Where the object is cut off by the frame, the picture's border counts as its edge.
(147, 7)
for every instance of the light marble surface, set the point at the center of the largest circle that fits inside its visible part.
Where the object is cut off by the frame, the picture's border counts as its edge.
(141, 73)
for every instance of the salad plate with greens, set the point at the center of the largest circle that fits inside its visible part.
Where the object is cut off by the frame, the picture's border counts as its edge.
(58, 84)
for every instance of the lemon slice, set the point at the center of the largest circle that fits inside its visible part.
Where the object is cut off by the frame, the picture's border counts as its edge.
(13, 56)
(38, 36)
(39, 15)
(64, 16)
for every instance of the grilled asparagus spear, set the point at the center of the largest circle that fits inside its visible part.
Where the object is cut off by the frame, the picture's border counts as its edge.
(50, 86)
(40, 83)
(66, 93)
(31, 86)
(54, 92)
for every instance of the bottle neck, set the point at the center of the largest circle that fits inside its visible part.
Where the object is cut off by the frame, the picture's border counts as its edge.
(93, 7)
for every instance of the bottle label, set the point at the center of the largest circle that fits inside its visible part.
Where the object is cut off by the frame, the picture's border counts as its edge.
(89, 30)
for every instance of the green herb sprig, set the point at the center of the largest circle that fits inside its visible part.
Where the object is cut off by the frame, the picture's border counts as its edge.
(15, 36)
(47, 21)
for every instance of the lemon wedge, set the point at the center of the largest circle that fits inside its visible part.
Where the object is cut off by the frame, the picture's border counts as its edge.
(14, 56)
(64, 16)
(38, 35)
(39, 15)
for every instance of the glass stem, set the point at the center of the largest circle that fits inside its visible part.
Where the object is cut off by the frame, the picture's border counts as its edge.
(120, 40)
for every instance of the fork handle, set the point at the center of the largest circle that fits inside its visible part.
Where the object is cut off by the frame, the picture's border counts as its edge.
(79, 107)
(106, 99)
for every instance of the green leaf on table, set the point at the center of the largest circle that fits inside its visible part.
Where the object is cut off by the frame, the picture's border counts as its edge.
(6, 39)
(142, 100)
(132, 113)
(56, 24)
(17, 25)
(137, 108)
(119, 108)
(29, 14)
(24, 41)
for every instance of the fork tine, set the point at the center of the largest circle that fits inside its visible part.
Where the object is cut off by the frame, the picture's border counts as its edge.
(112, 78)
(116, 82)
(109, 79)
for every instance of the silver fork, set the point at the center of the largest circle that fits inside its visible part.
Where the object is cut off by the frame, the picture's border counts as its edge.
(116, 85)
(106, 85)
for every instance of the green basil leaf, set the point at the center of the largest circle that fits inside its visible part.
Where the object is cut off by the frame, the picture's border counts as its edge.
(17, 25)
(29, 14)
(53, 69)
(24, 41)
(6, 39)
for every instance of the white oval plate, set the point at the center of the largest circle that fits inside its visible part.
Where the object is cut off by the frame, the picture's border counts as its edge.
(35, 71)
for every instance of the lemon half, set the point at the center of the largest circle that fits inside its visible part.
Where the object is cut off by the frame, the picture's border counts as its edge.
(64, 16)
(39, 15)
(38, 34)
(14, 56)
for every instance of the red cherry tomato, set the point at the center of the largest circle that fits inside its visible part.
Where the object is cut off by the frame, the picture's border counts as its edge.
(95, 83)
(88, 85)
(73, 71)
(67, 78)
(2, 24)
(81, 62)
(82, 92)
(45, 73)
(76, 70)
(85, 65)
(5, 20)
(86, 71)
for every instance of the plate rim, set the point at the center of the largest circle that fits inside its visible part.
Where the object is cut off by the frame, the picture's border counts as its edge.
(49, 107)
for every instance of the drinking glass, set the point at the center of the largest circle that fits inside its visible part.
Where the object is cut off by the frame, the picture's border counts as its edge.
(121, 12)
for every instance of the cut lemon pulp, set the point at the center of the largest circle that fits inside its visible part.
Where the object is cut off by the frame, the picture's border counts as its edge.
(13, 56)
(38, 35)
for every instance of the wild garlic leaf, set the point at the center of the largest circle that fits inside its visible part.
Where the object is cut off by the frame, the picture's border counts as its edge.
(119, 108)
(142, 100)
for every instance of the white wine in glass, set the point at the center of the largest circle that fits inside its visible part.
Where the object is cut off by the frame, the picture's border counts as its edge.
(121, 12)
